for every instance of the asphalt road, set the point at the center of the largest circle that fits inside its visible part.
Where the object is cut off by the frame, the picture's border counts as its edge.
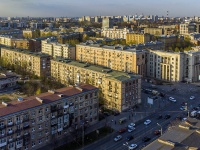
(181, 95)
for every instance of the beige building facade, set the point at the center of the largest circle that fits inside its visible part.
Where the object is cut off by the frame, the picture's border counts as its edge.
(36, 63)
(153, 31)
(58, 50)
(118, 90)
(33, 122)
(115, 57)
(166, 66)
(136, 38)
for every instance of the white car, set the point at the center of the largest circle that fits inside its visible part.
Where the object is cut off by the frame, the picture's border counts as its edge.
(117, 138)
(132, 146)
(183, 109)
(192, 97)
(147, 122)
(131, 129)
(131, 125)
(172, 99)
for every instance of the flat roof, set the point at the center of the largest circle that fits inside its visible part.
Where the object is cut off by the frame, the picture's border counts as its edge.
(112, 74)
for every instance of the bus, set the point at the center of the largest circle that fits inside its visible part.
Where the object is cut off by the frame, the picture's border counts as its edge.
(122, 120)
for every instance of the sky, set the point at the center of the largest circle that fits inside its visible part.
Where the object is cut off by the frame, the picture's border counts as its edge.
(78, 8)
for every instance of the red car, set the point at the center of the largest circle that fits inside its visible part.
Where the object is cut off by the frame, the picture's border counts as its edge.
(157, 132)
(122, 130)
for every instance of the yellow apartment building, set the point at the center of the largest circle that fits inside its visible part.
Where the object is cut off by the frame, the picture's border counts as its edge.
(119, 58)
(136, 38)
(118, 90)
(36, 63)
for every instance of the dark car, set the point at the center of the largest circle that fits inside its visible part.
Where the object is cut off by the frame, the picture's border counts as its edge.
(157, 132)
(130, 137)
(146, 139)
(122, 130)
(159, 117)
(167, 116)
(116, 113)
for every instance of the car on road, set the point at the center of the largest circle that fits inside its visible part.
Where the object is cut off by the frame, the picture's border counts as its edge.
(192, 97)
(117, 138)
(131, 125)
(116, 113)
(132, 146)
(147, 122)
(172, 99)
(167, 116)
(157, 132)
(130, 137)
(183, 108)
(122, 130)
(146, 139)
(131, 130)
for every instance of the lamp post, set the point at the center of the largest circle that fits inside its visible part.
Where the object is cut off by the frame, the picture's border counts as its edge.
(126, 144)
(160, 128)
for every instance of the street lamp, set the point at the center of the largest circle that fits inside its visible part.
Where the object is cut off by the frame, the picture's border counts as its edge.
(160, 128)
(126, 144)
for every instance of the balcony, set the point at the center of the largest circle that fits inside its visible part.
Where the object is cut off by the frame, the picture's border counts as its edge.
(54, 108)
(2, 126)
(2, 135)
(25, 119)
(10, 132)
(26, 126)
(3, 144)
(10, 124)
(18, 122)
(65, 106)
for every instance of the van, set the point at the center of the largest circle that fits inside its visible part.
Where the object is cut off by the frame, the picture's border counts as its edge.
(122, 120)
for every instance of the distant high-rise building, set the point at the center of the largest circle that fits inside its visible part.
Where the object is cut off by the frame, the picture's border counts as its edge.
(107, 22)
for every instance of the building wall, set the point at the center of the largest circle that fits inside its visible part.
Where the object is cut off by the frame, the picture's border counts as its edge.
(114, 33)
(165, 65)
(36, 63)
(117, 93)
(153, 31)
(50, 118)
(20, 43)
(134, 38)
(121, 60)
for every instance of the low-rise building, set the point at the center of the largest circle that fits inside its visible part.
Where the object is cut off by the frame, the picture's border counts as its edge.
(7, 80)
(33, 122)
(153, 31)
(118, 90)
(36, 63)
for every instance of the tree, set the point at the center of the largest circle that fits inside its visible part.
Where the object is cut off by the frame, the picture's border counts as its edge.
(176, 49)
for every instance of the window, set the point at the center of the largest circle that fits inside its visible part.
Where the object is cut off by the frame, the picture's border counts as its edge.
(47, 109)
(33, 129)
(33, 144)
(40, 118)
(40, 126)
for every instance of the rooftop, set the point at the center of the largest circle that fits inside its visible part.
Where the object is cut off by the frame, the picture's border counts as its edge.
(112, 74)
(32, 101)
(37, 54)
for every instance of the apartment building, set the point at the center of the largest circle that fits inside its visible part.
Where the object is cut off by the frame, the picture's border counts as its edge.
(118, 90)
(119, 58)
(6, 40)
(192, 66)
(36, 63)
(28, 33)
(167, 40)
(136, 38)
(33, 122)
(153, 31)
(107, 22)
(164, 65)
(188, 28)
(115, 33)
(58, 50)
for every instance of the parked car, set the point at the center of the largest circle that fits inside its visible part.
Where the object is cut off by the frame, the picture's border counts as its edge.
(157, 132)
(167, 116)
(146, 139)
(132, 146)
(147, 122)
(192, 97)
(131, 125)
(117, 138)
(122, 130)
(130, 137)
(131, 130)
(116, 113)
(172, 99)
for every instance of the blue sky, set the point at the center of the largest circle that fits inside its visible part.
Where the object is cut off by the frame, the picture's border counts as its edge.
(78, 8)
